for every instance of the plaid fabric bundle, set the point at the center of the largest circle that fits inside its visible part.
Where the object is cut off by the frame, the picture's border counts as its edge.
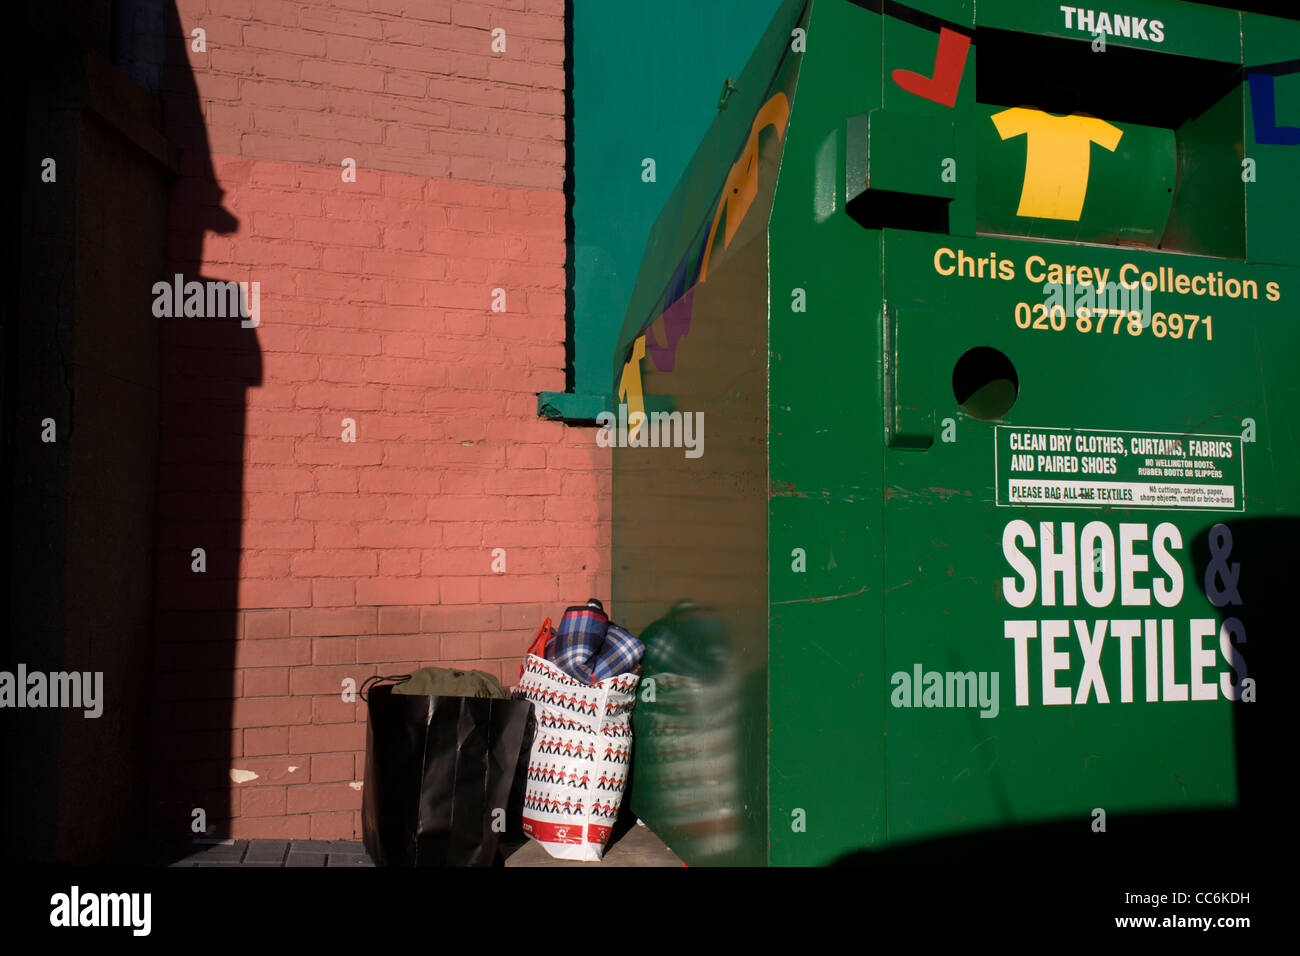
(590, 649)
(619, 654)
(577, 641)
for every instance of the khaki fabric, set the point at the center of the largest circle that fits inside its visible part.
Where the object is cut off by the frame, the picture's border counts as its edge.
(448, 682)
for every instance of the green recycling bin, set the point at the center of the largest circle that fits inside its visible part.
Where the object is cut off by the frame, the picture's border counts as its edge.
(955, 446)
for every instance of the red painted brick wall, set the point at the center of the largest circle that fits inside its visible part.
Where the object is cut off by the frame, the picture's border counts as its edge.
(326, 559)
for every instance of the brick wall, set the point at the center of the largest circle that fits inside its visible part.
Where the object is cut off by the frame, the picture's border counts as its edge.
(328, 559)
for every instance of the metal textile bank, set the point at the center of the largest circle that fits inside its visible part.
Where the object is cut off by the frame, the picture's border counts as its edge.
(991, 320)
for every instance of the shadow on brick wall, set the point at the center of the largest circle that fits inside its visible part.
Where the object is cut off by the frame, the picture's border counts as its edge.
(208, 365)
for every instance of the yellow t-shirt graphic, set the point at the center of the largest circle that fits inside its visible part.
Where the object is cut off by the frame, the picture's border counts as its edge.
(1056, 161)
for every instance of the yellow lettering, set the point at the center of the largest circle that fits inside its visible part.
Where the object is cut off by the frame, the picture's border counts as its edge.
(938, 268)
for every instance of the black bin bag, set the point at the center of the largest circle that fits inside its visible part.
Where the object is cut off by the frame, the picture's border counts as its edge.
(437, 770)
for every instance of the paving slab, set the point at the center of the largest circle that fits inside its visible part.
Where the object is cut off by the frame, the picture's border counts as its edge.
(298, 857)
(234, 848)
(267, 851)
(311, 846)
(190, 854)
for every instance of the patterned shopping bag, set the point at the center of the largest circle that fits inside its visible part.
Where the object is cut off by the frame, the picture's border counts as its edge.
(578, 764)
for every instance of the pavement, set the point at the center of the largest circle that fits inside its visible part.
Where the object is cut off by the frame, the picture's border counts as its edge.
(633, 844)
(257, 853)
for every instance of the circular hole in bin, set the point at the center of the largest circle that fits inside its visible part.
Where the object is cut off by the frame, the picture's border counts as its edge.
(985, 383)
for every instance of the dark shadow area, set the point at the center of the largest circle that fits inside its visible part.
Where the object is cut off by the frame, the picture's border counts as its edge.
(1263, 549)
(570, 275)
(882, 209)
(209, 364)
(81, 367)
(985, 383)
(1177, 88)
(1216, 842)
(123, 440)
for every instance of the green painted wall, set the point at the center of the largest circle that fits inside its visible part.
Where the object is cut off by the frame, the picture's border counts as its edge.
(646, 80)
